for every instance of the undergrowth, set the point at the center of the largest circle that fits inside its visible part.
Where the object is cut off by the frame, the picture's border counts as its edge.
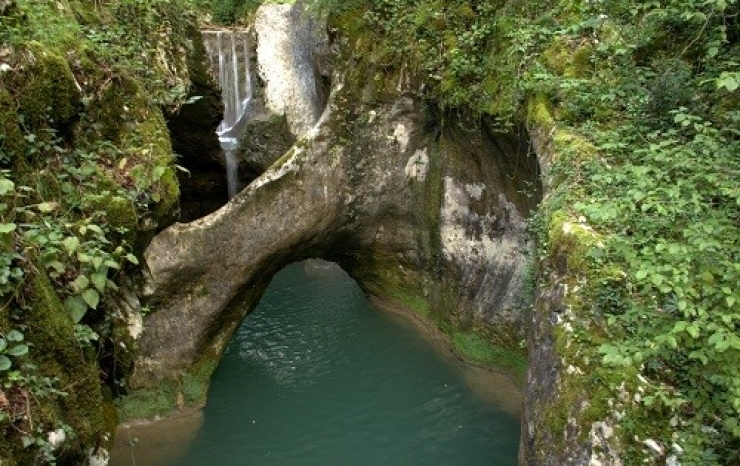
(85, 168)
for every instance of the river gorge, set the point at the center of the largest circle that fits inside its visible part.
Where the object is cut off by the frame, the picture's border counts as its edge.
(531, 208)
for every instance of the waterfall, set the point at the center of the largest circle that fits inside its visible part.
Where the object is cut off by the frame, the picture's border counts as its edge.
(228, 54)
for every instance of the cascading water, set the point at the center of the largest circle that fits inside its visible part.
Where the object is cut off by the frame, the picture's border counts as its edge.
(228, 54)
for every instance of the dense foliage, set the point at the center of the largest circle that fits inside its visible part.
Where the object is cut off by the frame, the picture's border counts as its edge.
(85, 167)
(225, 12)
(657, 96)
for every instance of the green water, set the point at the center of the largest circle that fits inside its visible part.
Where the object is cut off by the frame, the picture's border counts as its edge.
(317, 377)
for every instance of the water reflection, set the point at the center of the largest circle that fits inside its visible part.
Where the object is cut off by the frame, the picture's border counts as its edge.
(317, 377)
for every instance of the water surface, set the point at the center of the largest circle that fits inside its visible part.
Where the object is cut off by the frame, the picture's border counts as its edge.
(318, 377)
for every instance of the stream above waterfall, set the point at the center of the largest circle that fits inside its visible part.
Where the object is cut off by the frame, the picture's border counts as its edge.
(316, 376)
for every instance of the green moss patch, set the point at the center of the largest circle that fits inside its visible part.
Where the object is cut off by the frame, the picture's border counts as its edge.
(476, 348)
(190, 391)
(148, 403)
(64, 382)
(47, 89)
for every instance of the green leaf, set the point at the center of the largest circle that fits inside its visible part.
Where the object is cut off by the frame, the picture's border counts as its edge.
(15, 336)
(47, 207)
(99, 280)
(716, 338)
(27, 441)
(57, 266)
(5, 363)
(71, 243)
(111, 264)
(76, 306)
(7, 227)
(729, 80)
(132, 258)
(680, 326)
(97, 262)
(95, 229)
(3, 343)
(91, 297)
(80, 283)
(18, 350)
(6, 186)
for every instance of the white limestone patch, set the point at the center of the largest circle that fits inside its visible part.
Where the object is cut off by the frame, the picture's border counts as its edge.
(653, 446)
(56, 437)
(286, 40)
(418, 166)
(99, 457)
(459, 221)
(402, 135)
(273, 174)
(135, 325)
(602, 454)
(475, 190)
(487, 240)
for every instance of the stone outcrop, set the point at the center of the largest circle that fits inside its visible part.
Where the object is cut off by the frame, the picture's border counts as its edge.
(274, 79)
(290, 85)
(290, 47)
(560, 422)
(424, 210)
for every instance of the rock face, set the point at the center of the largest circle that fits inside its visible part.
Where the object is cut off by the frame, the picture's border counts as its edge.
(289, 45)
(422, 209)
(559, 426)
(193, 132)
(274, 84)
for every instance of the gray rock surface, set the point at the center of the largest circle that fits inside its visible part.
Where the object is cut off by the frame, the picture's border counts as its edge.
(424, 210)
(406, 206)
(288, 43)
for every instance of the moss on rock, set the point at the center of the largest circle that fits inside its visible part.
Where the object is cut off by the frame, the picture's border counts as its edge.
(61, 367)
(188, 392)
(12, 144)
(47, 90)
(474, 347)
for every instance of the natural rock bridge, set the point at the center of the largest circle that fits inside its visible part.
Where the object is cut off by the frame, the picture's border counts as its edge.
(423, 209)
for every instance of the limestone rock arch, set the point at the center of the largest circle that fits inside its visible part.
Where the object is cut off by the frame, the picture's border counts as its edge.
(424, 209)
